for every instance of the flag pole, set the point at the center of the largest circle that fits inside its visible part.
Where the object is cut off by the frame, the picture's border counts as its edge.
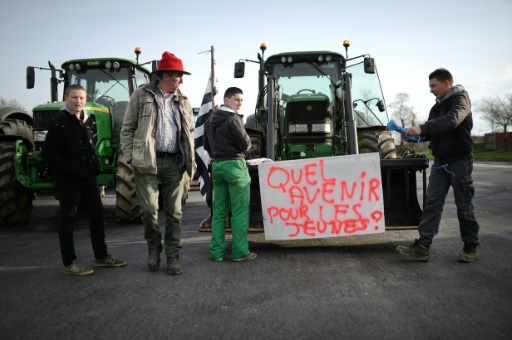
(212, 92)
(213, 78)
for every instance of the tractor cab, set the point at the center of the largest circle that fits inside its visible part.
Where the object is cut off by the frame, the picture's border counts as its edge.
(310, 93)
(109, 82)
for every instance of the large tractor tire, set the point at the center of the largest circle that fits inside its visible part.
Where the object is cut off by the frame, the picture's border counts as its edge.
(255, 150)
(16, 127)
(250, 122)
(15, 205)
(377, 141)
(127, 204)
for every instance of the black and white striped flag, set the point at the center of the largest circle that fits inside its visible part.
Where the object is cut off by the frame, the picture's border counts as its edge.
(202, 157)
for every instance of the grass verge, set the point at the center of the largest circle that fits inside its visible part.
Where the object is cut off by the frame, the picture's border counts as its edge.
(481, 154)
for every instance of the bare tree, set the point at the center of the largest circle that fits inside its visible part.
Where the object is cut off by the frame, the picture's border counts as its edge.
(402, 112)
(497, 111)
(12, 102)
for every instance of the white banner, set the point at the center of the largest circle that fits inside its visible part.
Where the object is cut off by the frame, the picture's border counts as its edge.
(322, 197)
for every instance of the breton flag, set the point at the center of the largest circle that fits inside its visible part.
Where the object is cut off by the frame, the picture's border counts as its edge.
(202, 157)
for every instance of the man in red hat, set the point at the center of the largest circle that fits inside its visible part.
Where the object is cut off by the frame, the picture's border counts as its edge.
(157, 141)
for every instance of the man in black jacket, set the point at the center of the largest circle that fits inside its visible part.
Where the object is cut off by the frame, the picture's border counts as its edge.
(69, 150)
(449, 130)
(226, 141)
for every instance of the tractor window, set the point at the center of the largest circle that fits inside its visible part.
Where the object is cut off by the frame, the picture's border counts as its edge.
(141, 78)
(108, 88)
(367, 97)
(304, 78)
(104, 86)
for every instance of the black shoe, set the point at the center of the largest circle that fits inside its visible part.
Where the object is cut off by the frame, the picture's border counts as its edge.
(416, 250)
(468, 253)
(154, 258)
(174, 266)
(109, 261)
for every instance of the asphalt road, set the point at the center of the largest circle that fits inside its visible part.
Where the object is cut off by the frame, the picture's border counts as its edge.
(354, 287)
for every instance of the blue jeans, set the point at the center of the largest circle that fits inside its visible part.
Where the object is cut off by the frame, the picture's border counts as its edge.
(171, 179)
(456, 174)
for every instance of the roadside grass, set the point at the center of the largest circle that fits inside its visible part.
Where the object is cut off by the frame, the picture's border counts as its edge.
(481, 154)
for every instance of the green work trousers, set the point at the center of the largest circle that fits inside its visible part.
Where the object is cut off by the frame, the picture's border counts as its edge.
(170, 177)
(231, 188)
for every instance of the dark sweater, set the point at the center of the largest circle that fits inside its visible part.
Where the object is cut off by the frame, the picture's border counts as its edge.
(69, 149)
(449, 127)
(225, 136)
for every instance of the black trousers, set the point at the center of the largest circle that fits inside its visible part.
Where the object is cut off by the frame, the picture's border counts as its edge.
(458, 175)
(84, 195)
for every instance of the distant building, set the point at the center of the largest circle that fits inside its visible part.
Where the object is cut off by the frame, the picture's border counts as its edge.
(496, 141)
(478, 139)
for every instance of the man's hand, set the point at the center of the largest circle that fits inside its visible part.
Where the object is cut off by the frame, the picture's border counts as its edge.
(413, 131)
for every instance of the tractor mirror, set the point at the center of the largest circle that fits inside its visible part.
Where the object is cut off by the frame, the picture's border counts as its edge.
(154, 65)
(31, 77)
(239, 69)
(380, 106)
(369, 65)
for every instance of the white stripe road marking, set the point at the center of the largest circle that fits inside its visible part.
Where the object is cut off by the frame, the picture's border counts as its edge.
(13, 269)
(200, 239)
(492, 165)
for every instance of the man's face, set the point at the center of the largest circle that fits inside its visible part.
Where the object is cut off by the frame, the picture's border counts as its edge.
(235, 102)
(76, 100)
(171, 83)
(439, 88)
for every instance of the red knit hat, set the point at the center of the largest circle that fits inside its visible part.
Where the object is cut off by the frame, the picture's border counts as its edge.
(170, 62)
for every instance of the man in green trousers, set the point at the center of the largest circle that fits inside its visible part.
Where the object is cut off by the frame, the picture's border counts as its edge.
(227, 142)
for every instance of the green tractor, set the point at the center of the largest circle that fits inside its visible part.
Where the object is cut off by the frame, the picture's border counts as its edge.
(109, 82)
(322, 104)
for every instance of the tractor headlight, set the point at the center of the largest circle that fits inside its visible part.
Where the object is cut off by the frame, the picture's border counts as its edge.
(116, 65)
(298, 128)
(321, 128)
(108, 64)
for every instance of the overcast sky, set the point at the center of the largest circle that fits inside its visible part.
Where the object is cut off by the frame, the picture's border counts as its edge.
(408, 40)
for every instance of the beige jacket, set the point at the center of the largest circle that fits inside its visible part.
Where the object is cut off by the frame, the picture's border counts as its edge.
(138, 132)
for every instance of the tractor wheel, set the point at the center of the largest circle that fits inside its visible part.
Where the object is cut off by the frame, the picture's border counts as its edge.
(255, 150)
(377, 141)
(250, 122)
(127, 204)
(16, 127)
(15, 206)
